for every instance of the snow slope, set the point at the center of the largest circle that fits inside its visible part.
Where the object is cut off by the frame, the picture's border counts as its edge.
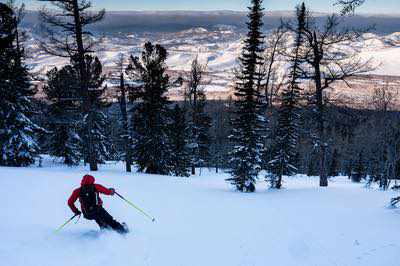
(201, 222)
(386, 61)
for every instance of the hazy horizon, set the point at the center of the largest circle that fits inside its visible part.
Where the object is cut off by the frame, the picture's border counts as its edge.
(396, 14)
(390, 7)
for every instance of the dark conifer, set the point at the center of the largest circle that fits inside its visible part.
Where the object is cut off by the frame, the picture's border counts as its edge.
(150, 119)
(180, 159)
(199, 120)
(18, 142)
(62, 92)
(95, 119)
(66, 34)
(249, 121)
(359, 169)
(334, 164)
(286, 139)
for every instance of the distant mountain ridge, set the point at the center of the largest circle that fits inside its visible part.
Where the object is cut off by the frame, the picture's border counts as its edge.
(173, 21)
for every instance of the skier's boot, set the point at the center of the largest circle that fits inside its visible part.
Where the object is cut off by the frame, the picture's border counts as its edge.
(125, 229)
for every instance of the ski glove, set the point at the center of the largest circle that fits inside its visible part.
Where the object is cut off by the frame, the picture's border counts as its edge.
(78, 213)
(112, 191)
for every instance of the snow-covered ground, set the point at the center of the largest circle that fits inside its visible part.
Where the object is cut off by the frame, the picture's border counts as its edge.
(200, 222)
(212, 48)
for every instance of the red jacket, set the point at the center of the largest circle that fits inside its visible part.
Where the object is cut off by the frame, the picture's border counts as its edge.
(86, 180)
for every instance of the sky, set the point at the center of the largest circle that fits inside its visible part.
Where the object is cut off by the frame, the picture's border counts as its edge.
(371, 6)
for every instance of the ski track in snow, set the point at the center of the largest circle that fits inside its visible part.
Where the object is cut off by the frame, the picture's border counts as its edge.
(201, 221)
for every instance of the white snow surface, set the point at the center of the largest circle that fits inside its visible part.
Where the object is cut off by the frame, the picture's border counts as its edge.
(219, 55)
(201, 221)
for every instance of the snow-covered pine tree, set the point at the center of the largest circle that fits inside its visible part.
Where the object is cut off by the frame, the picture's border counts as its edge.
(18, 142)
(62, 92)
(180, 160)
(96, 143)
(249, 121)
(101, 144)
(286, 139)
(199, 120)
(66, 33)
(152, 149)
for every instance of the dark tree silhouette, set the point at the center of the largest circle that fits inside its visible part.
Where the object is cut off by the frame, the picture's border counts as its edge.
(249, 116)
(199, 121)
(152, 149)
(18, 142)
(284, 159)
(66, 34)
(62, 92)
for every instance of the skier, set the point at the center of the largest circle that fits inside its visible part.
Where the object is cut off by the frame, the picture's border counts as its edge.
(91, 204)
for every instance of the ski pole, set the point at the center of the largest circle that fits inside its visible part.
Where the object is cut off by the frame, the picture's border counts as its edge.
(136, 207)
(67, 222)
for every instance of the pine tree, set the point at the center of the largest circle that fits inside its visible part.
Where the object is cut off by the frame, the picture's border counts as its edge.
(249, 118)
(359, 169)
(334, 164)
(62, 91)
(66, 34)
(283, 162)
(95, 120)
(17, 131)
(150, 119)
(180, 162)
(200, 121)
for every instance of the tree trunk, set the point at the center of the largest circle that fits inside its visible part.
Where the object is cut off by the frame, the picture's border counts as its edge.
(268, 99)
(122, 103)
(321, 136)
(193, 169)
(84, 85)
(194, 129)
(278, 184)
(323, 180)
(320, 113)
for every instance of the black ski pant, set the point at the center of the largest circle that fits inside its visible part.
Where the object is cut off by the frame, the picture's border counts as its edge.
(106, 221)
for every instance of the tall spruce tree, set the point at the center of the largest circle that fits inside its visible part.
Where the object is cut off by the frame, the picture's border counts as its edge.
(199, 120)
(283, 162)
(18, 142)
(67, 35)
(180, 160)
(94, 122)
(152, 149)
(62, 92)
(249, 118)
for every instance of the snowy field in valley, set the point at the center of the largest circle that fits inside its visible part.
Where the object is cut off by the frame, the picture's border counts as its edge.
(201, 221)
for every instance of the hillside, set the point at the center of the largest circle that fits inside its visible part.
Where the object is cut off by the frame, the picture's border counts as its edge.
(219, 49)
(200, 221)
(143, 22)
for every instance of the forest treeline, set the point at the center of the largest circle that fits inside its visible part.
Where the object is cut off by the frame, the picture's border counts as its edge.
(272, 128)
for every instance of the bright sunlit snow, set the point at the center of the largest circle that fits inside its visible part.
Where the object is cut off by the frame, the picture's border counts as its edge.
(200, 222)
